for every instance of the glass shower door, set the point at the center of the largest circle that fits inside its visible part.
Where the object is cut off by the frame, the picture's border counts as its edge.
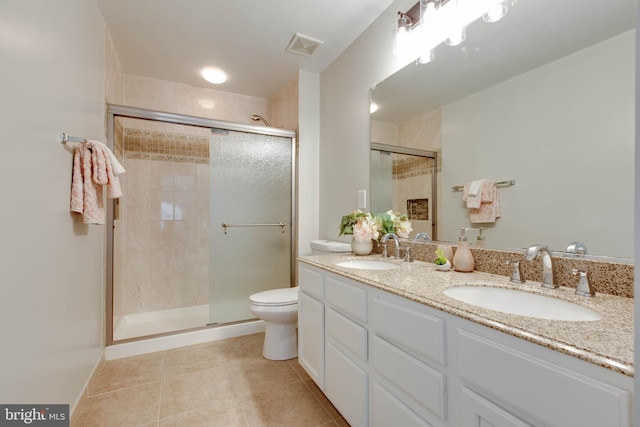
(251, 218)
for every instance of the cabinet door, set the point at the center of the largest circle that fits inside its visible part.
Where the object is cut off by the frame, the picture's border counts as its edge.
(388, 410)
(551, 393)
(346, 386)
(479, 412)
(311, 337)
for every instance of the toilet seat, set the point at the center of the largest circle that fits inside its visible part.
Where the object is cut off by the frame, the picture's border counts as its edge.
(273, 297)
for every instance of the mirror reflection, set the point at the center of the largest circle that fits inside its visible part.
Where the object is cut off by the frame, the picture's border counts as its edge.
(545, 98)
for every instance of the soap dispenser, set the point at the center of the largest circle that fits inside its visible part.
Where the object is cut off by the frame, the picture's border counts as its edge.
(480, 240)
(463, 258)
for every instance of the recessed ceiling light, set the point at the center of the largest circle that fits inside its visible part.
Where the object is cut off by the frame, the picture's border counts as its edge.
(213, 75)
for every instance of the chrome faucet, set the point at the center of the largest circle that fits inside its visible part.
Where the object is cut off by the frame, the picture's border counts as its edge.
(584, 287)
(548, 272)
(577, 248)
(516, 274)
(422, 235)
(384, 240)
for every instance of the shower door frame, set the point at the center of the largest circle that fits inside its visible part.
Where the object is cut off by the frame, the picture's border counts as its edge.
(433, 155)
(113, 111)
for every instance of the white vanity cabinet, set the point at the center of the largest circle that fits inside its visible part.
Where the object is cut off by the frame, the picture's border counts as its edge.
(408, 362)
(385, 360)
(346, 352)
(311, 323)
(511, 382)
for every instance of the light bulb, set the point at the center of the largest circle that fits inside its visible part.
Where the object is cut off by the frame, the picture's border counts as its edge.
(427, 57)
(496, 12)
(457, 37)
(402, 30)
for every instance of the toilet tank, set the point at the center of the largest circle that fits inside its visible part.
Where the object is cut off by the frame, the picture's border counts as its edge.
(325, 247)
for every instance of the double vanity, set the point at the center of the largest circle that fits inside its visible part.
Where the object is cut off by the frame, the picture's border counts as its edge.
(393, 343)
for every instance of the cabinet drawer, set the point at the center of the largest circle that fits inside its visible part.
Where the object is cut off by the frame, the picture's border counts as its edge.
(550, 392)
(348, 299)
(346, 332)
(311, 282)
(423, 387)
(418, 333)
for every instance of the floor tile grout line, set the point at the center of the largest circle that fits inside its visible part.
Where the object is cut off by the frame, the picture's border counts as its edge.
(121, 389)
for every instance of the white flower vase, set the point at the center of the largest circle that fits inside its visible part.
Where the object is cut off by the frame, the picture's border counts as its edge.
(444, 267)
(361, 248)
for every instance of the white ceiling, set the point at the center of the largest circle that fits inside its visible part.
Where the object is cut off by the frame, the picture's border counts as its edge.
(172, 40)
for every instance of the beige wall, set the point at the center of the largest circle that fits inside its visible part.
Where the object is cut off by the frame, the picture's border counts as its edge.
(344, 118)
(284, 106)
(52, 266)
(161, 95)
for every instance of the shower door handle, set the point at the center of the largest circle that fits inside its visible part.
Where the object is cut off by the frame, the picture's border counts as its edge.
(225, 226)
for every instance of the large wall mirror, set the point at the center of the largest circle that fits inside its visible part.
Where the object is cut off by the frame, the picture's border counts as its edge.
(544, 98)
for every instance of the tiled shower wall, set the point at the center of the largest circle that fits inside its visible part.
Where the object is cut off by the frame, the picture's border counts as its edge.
(163, 220)
(412, 181)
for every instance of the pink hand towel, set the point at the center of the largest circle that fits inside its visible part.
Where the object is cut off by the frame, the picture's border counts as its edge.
(92, 170)
(489, 209)
(86, 194)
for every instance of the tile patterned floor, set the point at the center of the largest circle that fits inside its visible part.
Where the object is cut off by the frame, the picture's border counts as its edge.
(219, 384)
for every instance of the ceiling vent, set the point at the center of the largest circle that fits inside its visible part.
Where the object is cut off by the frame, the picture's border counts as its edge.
(303, 45)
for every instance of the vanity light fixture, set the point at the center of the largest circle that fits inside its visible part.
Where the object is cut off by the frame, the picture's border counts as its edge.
(373, 107)
(441, 21)
(401, 33)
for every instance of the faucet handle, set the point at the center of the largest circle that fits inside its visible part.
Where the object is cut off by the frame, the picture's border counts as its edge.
(385, 254)
(407, 254)
(584, 287)
(516, 274)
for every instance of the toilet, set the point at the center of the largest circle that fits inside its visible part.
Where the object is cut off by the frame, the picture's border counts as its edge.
(278, 308)
(326, 247)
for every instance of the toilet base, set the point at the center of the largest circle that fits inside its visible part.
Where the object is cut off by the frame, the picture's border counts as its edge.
(280, 341)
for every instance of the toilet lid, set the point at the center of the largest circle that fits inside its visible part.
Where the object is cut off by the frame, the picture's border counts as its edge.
(283, 296)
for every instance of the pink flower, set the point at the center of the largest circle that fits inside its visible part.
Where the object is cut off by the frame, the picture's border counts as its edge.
(361, 232)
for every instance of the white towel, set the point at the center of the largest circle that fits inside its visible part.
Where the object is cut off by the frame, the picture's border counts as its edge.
(474, 187)
(116, 167)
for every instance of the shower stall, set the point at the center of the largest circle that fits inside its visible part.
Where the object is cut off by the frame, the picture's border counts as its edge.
(207, 219)
(405, 179)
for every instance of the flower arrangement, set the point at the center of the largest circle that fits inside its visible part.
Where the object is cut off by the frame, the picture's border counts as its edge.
(365, 226)
(362, 225)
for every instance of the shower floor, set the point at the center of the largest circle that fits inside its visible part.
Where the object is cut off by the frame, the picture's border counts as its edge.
(158, 322)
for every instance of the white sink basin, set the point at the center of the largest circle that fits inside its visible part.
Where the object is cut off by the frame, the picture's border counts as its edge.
(368, 264)
(521, 303)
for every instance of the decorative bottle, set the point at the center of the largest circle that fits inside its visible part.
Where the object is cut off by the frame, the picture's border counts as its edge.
(463, 258)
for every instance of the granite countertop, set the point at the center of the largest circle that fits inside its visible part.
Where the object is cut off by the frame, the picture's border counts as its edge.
(607, 342)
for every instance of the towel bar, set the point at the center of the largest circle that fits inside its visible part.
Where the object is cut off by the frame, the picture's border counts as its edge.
(64, 138)
(501, 183)
(225, 226)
